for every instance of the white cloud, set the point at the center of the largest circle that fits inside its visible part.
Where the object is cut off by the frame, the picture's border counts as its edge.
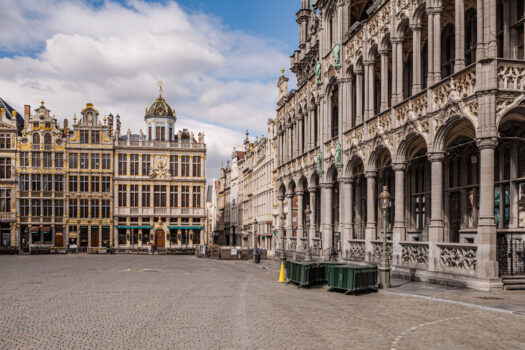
(219, 81)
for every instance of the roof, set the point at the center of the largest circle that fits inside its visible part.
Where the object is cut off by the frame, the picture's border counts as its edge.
(9, 114)
(160, 108)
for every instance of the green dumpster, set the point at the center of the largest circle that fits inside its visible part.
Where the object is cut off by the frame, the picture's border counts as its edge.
(304, 273)
(325, 265)
(352, 278)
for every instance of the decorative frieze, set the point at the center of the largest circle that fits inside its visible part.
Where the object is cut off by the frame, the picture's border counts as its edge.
(511, 76)
(414, 253)
(356, 250)
(460, 257)
(377, 248)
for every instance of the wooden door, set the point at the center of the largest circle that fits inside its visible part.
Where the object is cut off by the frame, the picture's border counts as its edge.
(59, 241)
(160, 238)
(94, 239)
(455, 216)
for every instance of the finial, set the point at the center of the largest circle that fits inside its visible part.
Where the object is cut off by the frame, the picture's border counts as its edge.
(160, 87)
(74, 118)
(42, 102)
(282, 71)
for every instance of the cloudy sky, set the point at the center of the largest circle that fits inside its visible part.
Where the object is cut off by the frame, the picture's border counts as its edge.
(219, 60)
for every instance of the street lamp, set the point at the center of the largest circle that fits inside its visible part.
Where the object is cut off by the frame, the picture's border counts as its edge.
(254, 239)
(283, 253)
(307, 212)
(384, 267)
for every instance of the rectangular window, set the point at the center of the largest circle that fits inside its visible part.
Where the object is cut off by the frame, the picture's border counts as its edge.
(162, 133)
(105, 208)
(48, 207)
(95, 209)
(73, 184)
(47, 183)
(35, 182)
(196, 166)
(84, 136)
(134, 196)
(185, 171)
(24, 207)
(84, 183)
(59, 160)
(185, 197)
(59, 183)
(48, 160)
(146, 164)
(134, 164)
(122, 164)
(106, 161)
(35, 207)
(174, 166)
(106, 184)
(146, 196)
(24, 159)
(174, 196)
(73, 161)
(196, 197)
(95, 161)
(59, 208)
(122, 196)
(35, 159)
(95, 137)
(5, 141)
(105, 235)
(73, 208)
(157, 133)
(159, 196)
(95, 184)
(24, 182)
(84, 208)
(84, 161)
(5, 200)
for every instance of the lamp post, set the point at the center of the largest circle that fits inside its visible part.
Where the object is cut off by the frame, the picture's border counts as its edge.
(283, 253)
(254, 239)
(307, 213)
(384, 267)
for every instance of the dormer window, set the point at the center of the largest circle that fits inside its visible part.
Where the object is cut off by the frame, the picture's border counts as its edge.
(84, 136)
(36, 139)
(36, 125)
(95, 137)
(48, 125)
(47, 141)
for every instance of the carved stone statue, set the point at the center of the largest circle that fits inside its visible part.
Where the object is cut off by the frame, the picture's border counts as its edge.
(318, 72)
(320, 162)
(338, 154)
(336, 55)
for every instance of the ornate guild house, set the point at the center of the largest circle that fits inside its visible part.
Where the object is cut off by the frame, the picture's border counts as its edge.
(87, 187)
(426, 98)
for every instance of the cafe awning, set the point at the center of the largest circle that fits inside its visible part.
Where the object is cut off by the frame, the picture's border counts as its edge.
(34, 229)
(46, 229)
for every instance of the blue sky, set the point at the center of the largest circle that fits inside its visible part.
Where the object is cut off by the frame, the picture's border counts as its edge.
(219, 61)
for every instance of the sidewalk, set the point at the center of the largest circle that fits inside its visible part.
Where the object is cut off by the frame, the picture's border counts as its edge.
(501, 301)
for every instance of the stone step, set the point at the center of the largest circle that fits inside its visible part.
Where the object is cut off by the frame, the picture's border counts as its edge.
(513, 281)
(514, 287)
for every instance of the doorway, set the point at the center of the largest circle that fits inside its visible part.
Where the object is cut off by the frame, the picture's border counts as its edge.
(160, 238)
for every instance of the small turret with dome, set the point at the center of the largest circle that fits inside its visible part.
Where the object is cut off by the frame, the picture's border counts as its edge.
(160, 119)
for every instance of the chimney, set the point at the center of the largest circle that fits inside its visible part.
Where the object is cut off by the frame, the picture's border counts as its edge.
(27, 111)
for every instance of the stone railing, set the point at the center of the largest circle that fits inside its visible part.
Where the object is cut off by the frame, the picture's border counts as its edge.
(316, 245)
(414, 253)
(377, 248)
(458, 257)
(304, 244)
(459, 86)
(293, 244)
(511, 75)
(356, 249)
(380, 124)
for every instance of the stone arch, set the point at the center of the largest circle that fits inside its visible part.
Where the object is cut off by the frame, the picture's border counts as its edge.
(330, 173)
(376, 156)
(514, 111)
(281, 190)
(419, 13)
(302, 183)
(384, 44)
(354, 162)
(402, 27)
(455, 127)
(409, 146)
(314, 180)
(291, 186)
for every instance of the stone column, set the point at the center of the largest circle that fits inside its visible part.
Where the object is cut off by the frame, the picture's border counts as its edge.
(399, 68)
(459, 27)
(416, 54)
(384, 80)
(326, 218)
(300, 213)
(343, 104)
(436, 230)
(430, 46)
(311, 191)
(346, 207)
(350, 103)
(359, 96)
(371, 88)
(370, 231)
(289, 226)
(437, 43)
(282, 232)
(311, 137)
(399, 216)
(486, 240)
(394, 97)
(366, 91)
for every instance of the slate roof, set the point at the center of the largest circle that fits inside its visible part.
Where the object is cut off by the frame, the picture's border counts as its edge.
(9, 114)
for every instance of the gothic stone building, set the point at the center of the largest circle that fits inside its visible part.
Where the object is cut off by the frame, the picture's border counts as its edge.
(426, 98)
(90, 186)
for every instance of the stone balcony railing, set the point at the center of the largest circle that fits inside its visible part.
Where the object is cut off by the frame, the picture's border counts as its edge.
(356, 249)
(160, 211)
(414, 254)
(458, 257)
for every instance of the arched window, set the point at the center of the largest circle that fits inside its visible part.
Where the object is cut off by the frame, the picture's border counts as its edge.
(470, 36)
(316, 123)
(335, 111)
(424, 65)
(36, 139)
(407, 76)
(47, 141)
(447, 50)
(302, 135)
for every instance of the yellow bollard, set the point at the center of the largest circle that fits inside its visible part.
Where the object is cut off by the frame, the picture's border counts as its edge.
(281, 274)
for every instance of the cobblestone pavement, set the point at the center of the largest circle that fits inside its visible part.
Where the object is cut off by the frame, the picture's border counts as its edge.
(177, 302)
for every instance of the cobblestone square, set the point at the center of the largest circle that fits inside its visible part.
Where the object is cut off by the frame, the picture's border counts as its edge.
(181, 302)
